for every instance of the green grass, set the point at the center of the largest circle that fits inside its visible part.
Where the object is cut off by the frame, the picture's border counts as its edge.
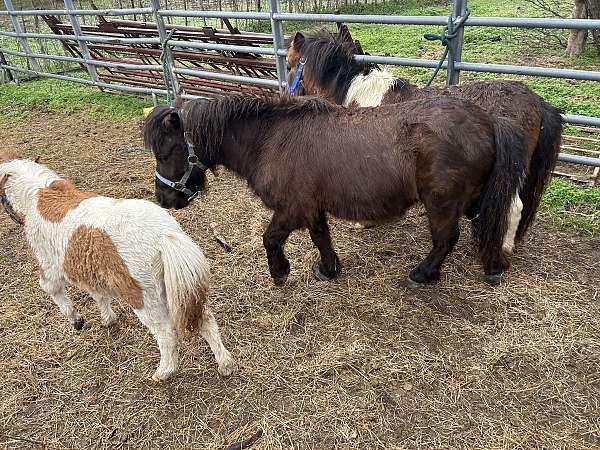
(61, 96)
(7, 324)
(572, 206)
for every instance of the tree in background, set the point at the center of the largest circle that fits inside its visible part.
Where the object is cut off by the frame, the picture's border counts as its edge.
(582, 9)
(593, 12)
(578, 38)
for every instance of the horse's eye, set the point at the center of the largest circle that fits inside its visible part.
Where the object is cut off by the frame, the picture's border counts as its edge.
(289, 66)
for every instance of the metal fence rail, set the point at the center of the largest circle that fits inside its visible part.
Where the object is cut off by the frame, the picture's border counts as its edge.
(77, 12)
(453, 66)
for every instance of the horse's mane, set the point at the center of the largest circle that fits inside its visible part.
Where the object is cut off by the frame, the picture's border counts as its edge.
(27, 177)
(330, 59)
(206, 121)
(153, 127)
(29, 171)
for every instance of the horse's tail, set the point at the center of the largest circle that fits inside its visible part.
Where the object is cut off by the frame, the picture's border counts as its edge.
(541, 165)
(500, 206)
(185, 273)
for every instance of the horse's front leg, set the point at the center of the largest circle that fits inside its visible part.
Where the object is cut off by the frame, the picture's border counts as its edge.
(274, 239)
(330, 266)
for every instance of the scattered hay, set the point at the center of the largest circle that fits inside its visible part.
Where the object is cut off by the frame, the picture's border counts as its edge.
(360, 363)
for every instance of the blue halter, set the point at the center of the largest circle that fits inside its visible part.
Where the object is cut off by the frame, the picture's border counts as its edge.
(293, 88)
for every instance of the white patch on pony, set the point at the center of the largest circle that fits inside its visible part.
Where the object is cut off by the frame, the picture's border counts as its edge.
(368, 90)
(513, 223)
(169, 267)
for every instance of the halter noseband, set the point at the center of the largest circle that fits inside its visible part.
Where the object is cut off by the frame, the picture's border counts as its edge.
(293, 88)
(192, 161)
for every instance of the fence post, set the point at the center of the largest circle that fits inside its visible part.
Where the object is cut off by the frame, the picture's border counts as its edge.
(278, 43)
(456, 44)
(167, 55)
(22, 41)
(83, 47)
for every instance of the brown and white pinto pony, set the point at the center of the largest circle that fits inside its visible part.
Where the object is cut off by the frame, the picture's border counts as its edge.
(113, 248)
(330, 71)
(307, 157)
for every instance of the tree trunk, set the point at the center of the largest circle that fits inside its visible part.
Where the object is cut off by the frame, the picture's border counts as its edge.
(593, 12)
(577, 39)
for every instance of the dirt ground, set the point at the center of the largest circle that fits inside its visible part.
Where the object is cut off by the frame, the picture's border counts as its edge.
(359, 363)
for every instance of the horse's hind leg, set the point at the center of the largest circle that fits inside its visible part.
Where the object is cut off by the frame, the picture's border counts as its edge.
(155, 316)
(107, 315)
(56, 289)
(274, 238)
(210, 332)
(330, 266)
(443, 223)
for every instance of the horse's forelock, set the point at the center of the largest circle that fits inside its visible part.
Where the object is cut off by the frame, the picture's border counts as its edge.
(153, 130)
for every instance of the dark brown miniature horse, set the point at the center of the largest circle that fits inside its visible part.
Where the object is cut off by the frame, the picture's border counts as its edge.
(305, 158)
(329, 70)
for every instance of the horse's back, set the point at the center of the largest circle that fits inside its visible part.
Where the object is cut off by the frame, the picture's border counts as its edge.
(134, 226)
(373, 162)
(500, 98)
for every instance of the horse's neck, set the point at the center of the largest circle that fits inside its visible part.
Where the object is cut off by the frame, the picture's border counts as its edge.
(371, 89)
(337, 90)
(239, 151)
(401, 91)
(23, 190)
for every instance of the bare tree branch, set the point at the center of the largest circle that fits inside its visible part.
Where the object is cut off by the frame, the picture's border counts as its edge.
(551, 7)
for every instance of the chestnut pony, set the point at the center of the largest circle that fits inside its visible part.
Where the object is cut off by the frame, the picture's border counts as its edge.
(307, 157)
(329, 70)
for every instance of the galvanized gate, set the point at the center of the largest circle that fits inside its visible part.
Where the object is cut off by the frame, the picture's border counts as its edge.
(172, 73)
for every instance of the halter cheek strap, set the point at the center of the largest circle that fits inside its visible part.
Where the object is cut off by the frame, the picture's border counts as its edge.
(293, 88)
(192, 161)
(9, 210)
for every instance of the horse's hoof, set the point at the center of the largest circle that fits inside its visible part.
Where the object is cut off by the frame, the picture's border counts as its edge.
(110, 322)
(320, 275)
(280, 281)
(156, 379)
(227, 366)
(162, 377)
(412, 284)
(493, 280)
(79, 323)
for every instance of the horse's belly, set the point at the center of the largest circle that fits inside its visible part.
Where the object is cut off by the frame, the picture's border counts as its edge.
(376, 205)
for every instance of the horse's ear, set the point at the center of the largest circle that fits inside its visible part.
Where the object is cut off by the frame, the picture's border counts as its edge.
(178, 102)
(298, 40)
(359, 50)
(172, 121)
(344, 33)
